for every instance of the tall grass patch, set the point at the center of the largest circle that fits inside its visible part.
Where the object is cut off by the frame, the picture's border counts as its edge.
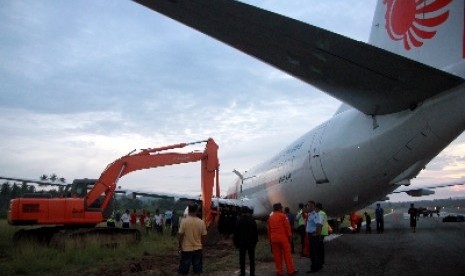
(29, 258)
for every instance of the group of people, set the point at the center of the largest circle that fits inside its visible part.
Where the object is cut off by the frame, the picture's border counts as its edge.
(145, 220)
(312, 227)
(227, 220)
(312, 224)
(316, 226)
(356, 221)
(192, 233)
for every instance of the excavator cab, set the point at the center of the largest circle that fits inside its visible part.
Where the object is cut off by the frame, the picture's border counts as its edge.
(79, 187)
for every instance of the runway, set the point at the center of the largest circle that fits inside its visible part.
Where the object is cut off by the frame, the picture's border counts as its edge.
(437, 248)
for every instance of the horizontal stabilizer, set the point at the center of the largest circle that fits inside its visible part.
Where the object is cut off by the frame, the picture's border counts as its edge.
(368, 78)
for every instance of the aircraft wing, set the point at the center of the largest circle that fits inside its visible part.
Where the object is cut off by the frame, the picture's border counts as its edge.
(368, 78)
(186, 197)
(40, 182)
(135, 194)
(424, 191)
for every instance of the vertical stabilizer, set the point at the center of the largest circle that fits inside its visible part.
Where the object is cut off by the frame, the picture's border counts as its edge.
(428, 31)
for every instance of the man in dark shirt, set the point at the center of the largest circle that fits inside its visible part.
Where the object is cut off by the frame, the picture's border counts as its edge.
(290, 216)
(245, 239)
(379, 213)
(413, 212)
(368, 223)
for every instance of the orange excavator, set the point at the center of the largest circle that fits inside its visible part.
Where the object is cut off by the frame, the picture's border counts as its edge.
(90, 201)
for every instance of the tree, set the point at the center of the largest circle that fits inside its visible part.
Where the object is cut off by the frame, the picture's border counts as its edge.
(6, 189)
(31, 189)
(24, 188)
(15, 191)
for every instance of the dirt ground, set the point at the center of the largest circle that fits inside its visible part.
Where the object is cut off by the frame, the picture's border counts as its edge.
(437, 248)
(220, 257)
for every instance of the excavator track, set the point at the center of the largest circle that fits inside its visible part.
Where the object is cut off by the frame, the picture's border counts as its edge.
(65, 237)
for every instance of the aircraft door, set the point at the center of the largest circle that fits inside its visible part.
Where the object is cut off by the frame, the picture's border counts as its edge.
(315, 159)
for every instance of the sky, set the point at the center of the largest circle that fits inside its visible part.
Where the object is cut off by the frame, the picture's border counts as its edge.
(83, 83)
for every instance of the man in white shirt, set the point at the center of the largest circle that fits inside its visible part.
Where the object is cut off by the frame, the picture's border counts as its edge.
(314, 226)
(125, 219)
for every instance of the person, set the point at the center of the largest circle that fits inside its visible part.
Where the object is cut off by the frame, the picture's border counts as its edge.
(168, 215)
(368, 223)
(111, 222)
(279, 235)
(148, 223)
(413, 212)
(118, 216)
(226, 221)
(133, 218)
(356, 222)
(291, 218)
(324, 230)
(314, 226)
(233, 219)
(301, 219)
(379, 214)
(245, 239)
(192, 231)
(158, 222)
(174, 223)
(125, 219)
(142, 218)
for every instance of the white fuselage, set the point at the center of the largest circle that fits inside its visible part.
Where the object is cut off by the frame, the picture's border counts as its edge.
(353, 159)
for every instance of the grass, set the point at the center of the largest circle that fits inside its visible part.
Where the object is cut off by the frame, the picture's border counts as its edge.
(34, 259)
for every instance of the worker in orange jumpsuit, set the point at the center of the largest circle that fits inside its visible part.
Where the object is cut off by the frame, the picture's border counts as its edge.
(279, 234)
(356, 222)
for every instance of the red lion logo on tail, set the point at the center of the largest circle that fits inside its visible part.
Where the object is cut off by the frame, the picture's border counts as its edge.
(414, 21)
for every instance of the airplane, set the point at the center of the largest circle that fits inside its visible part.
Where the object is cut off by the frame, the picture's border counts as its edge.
(403, 97)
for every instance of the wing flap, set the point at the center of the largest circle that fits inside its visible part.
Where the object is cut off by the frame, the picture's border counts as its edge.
(366, 77)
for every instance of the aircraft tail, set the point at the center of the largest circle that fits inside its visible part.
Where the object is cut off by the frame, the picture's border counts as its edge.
(428, 31)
